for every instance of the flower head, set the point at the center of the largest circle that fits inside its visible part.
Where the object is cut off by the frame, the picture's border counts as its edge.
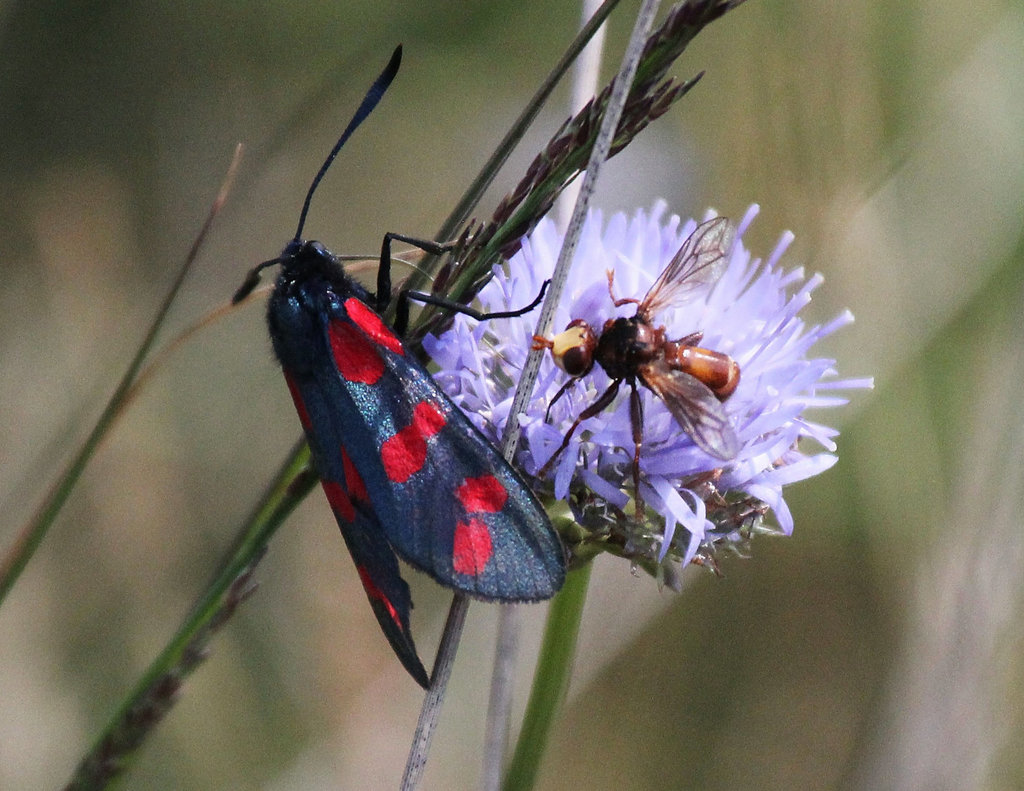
(749, 312)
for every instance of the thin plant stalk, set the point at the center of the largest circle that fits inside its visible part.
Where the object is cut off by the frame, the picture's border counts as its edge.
(602, 145)
(431, 709)
(499, 702)
(416, 764)
(585, 79)
(34, 531)
(599, 154)
(156, 691)
(586, 75)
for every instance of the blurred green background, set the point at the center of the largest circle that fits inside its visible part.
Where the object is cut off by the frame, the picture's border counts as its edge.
(876, 648)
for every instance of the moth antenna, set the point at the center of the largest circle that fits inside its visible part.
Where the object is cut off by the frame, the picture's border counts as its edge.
(373, 96)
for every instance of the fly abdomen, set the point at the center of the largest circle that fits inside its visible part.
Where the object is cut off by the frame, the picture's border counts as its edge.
(718, 371)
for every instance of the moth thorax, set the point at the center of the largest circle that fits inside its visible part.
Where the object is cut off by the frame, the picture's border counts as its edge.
(573, 348)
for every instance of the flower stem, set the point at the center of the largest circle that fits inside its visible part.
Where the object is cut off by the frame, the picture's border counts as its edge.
(551, 680)
(416, 764)
(559, 647)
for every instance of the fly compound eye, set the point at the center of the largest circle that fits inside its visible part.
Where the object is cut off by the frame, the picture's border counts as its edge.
(573, 349)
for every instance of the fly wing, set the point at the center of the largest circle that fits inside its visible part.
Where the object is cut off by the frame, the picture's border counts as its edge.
(445, 499)
(697, 262)
(695, 408)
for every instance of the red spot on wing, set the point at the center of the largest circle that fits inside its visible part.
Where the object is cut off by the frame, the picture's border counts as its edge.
(376, 593)
(300, 405)
(357, 359)
(356, 487)
(482, 494)
(339, 500)
(472, 548)
(373, 325)
(429, 418)
(404, 453)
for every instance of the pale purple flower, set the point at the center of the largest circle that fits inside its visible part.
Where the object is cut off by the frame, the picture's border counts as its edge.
(750, 312)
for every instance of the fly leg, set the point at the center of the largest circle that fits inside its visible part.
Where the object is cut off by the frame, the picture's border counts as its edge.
(599, 405)
(561, 392)
(636, 420)
(610, 274)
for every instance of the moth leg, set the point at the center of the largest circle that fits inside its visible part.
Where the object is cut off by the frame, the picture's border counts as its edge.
(402, 309)
(383, 296)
